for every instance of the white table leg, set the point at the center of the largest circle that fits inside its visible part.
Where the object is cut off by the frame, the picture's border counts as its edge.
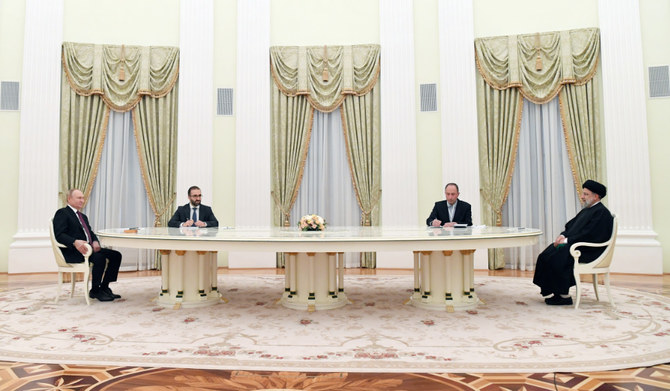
(332, 275)
(425, 278)
(340, 271)
(292, 260)
(165, 271)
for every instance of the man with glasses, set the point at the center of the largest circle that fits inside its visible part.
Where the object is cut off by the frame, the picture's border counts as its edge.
(193, 214)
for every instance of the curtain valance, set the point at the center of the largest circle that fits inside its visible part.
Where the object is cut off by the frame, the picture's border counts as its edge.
(350, 70)
(98, 70)
(539, 64)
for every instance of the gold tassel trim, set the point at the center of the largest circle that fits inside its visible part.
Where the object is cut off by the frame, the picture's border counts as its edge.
(373, 200)
(303, 160)
(145, 171)
(287, 212)
(515, 150)
(569, 143)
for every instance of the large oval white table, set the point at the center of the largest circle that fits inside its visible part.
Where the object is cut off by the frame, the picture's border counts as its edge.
(314, 275)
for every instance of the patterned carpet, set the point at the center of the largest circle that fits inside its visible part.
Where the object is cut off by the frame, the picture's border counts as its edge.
(513, 332)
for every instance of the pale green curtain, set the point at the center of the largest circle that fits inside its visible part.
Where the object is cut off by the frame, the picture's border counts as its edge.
(362, 133)
(83, 124)
(291, 129)
(499, 119)
(322, 78)
(350, 70)
(155, 121)
(97, 78)
(538, 64)
(122, 75)
(537, 67)
(581, 124)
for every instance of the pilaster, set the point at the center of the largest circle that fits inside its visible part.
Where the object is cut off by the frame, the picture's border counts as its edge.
(458, 105)
(196, 99)
(39, 137)
(252, 133)
(626, 141)
(398, 119)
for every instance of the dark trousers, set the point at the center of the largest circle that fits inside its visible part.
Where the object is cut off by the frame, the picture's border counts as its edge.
(106, 263)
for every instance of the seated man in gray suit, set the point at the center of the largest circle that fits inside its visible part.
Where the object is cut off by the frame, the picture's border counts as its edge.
(451, 211)
(193, 213)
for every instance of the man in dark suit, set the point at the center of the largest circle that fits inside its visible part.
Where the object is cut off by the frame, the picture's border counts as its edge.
(451, 211)
(193, 213)
(554, 267)
(71, 228)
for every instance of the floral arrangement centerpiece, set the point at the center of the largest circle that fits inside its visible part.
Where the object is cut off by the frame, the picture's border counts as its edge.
(312, 223)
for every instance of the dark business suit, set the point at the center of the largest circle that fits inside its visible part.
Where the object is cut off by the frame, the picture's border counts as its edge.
(106, 262)
(462, 213)
(554, 267)
(184, 213)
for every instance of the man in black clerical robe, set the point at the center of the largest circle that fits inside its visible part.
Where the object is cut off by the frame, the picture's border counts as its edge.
(554, 267)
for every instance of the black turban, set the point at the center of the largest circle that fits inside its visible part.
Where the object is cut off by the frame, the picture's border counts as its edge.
(595, 187)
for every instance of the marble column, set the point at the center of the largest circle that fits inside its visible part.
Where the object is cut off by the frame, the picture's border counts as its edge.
(30, 250)
(626, 141)
(458, 107)
(398, 119)
(196, 99)
(252, 131)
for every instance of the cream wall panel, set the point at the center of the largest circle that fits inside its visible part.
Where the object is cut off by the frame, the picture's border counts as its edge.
(428, 126)
(654, 17)
(495, 17)
(12, 17)
(324, 22)
(223, 161)
(128, 22)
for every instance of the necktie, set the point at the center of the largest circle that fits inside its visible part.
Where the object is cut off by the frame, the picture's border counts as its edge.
(194, 217)
(451, 212)
(83, 224)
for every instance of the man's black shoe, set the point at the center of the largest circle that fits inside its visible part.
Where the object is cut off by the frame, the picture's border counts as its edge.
(100, 295)
(558, 300)
(110, 293)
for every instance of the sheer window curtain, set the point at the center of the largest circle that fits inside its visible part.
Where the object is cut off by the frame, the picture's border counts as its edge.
(326, 188)
(542, 192)
(118, 198)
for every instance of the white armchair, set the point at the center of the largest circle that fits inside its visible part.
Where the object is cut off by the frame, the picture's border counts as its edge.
(64, 267)
(600, 265)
